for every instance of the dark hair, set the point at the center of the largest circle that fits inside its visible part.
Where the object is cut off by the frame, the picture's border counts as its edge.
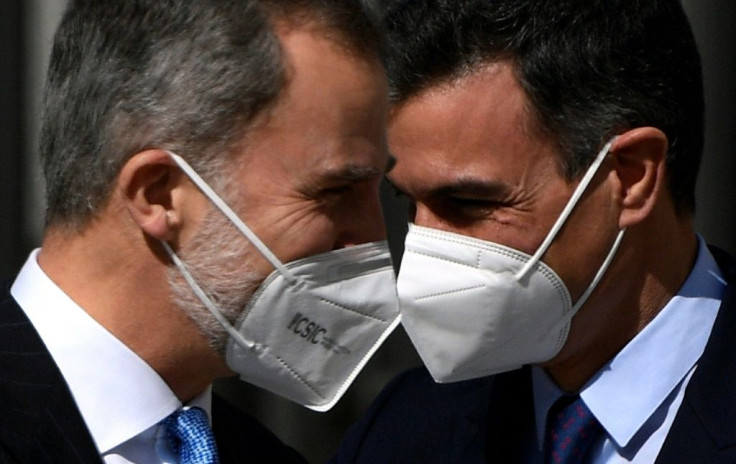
(182, 75)
(590, 68)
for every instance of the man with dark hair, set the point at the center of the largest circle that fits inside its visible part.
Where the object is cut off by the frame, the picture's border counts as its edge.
(552, 280)
(191, 148)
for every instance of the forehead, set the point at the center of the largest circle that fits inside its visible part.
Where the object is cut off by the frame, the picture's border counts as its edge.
(332, 110)
(476, 125)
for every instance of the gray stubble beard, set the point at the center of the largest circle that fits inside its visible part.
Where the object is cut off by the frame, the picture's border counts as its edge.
(220, 259)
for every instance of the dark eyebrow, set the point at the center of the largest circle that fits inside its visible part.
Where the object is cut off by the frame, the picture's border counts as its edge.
(473, 186)
(464, 186)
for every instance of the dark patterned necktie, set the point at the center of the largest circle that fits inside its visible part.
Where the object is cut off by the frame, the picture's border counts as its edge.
(191, 436)
(571, 430)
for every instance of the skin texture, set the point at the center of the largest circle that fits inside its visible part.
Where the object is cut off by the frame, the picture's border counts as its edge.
(470, 157)
(305, 180)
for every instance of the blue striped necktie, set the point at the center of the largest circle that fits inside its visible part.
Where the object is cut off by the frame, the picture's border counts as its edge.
(191, 436)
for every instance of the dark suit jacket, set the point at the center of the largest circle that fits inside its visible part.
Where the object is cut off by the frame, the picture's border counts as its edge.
(415, 420)
(40, 423)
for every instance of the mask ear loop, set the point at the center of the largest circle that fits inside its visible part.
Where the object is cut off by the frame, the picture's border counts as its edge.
(234, 218)
(205, 299)
(244, 229)
(576, 195)
(599, 275)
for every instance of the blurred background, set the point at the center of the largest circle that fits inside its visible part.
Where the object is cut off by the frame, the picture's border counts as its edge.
(26, 31)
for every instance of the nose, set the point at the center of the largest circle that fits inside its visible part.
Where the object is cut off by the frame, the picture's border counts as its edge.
(425, 217)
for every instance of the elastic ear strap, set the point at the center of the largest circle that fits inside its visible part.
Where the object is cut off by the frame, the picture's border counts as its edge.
(230, 214)
(576, 195)
(206, 299)
(600, 273)
(598, 276)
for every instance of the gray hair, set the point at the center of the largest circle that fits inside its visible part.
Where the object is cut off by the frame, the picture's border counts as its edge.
(181, 75)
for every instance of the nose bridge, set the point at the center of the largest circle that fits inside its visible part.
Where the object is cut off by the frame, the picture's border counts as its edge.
(362, 221)
(425, 217)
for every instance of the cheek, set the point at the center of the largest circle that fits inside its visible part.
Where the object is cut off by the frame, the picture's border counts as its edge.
(303, 231)
(581, 248)
(224, 261)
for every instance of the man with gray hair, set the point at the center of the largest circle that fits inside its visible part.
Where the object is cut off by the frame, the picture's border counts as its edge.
(212, 171)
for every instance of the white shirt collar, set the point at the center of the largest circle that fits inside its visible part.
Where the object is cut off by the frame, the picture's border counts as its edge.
(627, 390)
(117, 393)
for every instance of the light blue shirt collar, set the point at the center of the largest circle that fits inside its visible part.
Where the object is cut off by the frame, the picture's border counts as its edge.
(625, 393)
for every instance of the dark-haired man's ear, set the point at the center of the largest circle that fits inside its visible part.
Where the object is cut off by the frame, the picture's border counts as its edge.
(149, 185)
(640, 155)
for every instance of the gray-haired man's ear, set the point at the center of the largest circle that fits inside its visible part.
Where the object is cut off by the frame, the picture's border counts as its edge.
(151, 188)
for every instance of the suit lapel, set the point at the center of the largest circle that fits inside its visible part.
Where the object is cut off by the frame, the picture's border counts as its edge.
(468, 437)
(704, 429)
(39, 421)
(510, 417)
(241, 438)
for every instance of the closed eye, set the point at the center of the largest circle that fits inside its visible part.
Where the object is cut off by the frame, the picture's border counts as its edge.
(469, 202)
(460, 209)
(335, 190)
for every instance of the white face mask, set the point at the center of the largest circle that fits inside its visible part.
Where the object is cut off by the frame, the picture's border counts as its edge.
(313, 323)
(474, 308)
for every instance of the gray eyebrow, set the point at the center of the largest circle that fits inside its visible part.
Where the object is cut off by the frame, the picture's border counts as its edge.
(352, 173)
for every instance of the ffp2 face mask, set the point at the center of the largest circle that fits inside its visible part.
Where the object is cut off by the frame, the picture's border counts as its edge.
(474, 308)
(313, 337)
(313, 323)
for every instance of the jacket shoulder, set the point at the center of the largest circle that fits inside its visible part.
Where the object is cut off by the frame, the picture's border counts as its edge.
(239, 435)
(40, 422)
(415, 419)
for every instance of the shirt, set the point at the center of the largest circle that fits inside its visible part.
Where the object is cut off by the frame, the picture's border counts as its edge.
(120, 397)
(636, 395)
